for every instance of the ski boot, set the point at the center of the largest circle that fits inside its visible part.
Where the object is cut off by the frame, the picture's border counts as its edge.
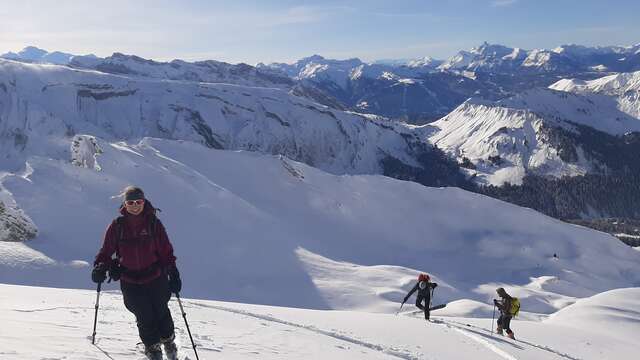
(510, 335)
(170, 348)
(499, 331)
(153, 352)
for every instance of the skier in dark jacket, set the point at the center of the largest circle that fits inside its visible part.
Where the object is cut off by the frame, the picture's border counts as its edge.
(504, 305)
(146, 267)
(424, 289)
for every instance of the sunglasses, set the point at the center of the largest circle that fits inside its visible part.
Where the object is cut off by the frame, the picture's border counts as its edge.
(134, 202)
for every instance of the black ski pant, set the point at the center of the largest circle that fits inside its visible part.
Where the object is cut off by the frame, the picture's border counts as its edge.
(149, 303)
(425, 307)
(504, 322)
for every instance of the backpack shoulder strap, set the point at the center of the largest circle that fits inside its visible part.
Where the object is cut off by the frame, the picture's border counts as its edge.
(119, 233)
(153, 225)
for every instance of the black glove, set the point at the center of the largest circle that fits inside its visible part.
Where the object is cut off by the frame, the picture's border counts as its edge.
(99, 273)
(434, 285)
(115, 271)
(495, 302)
(175, 284)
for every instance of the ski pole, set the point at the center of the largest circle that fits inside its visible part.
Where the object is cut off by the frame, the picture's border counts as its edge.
(401, 305)
(95, 318)
(493, 317)
(184, 316)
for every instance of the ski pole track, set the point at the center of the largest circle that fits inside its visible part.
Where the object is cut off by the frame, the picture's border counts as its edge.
(104, 352)
(52, 309)
(541, 347)
(398, 353)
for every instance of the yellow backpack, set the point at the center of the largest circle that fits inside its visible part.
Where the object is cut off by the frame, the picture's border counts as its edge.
(515, 306)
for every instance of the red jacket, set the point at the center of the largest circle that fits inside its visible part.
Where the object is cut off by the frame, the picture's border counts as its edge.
(143, 252)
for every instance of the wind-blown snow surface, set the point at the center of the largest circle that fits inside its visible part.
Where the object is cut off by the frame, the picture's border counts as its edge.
(44, 323)
(263, 229)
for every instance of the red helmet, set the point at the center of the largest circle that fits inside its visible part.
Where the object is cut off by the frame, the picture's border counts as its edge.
(423, 277)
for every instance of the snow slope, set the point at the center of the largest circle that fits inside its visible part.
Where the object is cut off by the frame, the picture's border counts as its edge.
(42, 106)
(263, 229)
(517, 130)
(41, 323)
(623, 88)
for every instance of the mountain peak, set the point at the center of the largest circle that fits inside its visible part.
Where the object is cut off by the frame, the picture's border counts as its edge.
(314, 57)
(32, 51)
(37, 55)
(487, 49)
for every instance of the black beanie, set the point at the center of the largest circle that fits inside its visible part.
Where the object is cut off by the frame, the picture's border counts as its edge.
(133, 193)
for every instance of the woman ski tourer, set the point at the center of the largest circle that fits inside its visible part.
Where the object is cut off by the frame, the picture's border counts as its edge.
(146, 267)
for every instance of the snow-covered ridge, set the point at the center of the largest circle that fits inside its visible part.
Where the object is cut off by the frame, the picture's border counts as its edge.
(131, 65)
(566, 58)
(623, 88)
(617, 84)
(42, 105)
(502, 143)
(319, 69)
(201, 71)
(483, 56)
(36, 55)
(506, 139)
(302, 227)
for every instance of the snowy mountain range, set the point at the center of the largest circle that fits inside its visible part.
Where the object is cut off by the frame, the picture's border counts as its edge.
(209, 71)
(547, 132)
(39, 104)
(412, 90)
(563, 59)
(423, 90)
(37, 55)
(272, 198)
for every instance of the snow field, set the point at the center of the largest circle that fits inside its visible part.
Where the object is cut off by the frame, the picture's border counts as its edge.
(50, 323)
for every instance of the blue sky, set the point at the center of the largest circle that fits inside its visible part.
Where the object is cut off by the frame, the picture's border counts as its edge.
(284, 30)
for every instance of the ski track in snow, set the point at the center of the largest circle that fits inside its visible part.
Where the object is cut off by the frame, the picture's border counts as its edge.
(398, 353)
(477, 338)
(503, 354)
(461, 328)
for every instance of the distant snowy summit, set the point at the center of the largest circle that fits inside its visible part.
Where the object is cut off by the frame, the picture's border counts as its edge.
(416, 91)
(340, 71)
(573, 128)
(422, 90)
(566, 58)
(484, 58)
(37, 55)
